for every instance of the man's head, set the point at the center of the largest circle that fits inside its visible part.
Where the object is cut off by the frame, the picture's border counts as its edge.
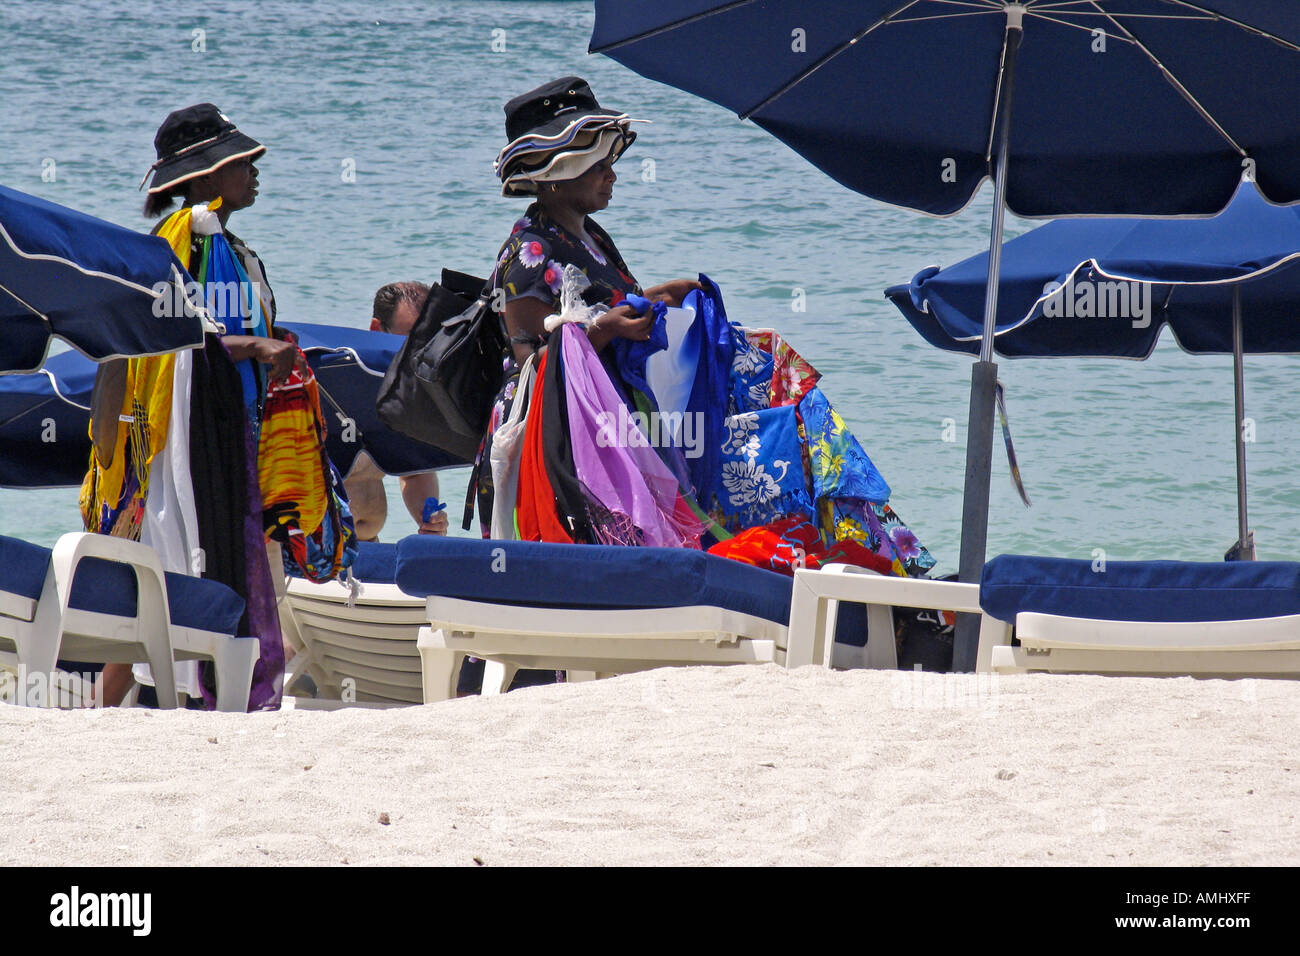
(397, 306)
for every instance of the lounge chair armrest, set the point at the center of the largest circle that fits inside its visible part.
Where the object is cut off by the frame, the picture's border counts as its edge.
(849, 583)
(71, 548)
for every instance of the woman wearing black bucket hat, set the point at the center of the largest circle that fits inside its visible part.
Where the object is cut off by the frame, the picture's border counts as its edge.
(203, 157)
(175, 460)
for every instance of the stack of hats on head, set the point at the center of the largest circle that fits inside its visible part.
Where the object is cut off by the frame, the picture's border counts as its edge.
(557, 132)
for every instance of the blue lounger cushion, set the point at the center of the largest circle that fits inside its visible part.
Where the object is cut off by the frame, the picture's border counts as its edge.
(25, 565)
(1140, 590)
(110, 588)
(540, 574)
(375, 562)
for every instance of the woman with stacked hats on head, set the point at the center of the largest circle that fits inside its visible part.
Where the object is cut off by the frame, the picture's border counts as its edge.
(175, 436)
(562, 149)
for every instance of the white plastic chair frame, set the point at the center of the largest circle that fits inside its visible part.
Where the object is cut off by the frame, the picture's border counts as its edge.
(360, 645)
(1049, 642)
(814, 608)
(585, 643)
(40, 635)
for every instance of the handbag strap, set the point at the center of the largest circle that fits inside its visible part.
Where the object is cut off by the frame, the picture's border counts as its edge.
(523, 391)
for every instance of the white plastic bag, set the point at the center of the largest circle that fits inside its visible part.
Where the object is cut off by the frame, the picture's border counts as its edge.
(572, 306)
(504, 455)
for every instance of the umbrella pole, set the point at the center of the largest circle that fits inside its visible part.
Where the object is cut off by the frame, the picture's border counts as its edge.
(1245, 541)
(984, 373)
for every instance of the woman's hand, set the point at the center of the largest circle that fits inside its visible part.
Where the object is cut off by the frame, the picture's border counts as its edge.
(282, 357)
(623, 323)
(672, 292)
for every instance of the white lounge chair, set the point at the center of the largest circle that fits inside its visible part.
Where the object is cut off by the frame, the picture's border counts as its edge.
(357, 645)
(118, 607)
(357, 641)
(588, 610)
(1234, 619)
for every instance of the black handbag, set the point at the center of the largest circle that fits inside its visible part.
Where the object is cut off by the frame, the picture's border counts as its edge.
(440, 386)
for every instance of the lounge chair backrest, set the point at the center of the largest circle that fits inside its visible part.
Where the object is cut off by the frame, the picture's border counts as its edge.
(1148, 591)
(25, 566)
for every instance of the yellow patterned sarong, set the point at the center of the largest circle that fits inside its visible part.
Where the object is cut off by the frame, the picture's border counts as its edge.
(290, 458)
(113, 493)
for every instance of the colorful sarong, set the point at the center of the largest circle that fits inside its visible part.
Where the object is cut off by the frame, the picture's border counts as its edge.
(304, 506)
(792, 543)
(633, 497)
(761, 477)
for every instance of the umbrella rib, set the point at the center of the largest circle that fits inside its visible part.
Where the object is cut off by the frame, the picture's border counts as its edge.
(1203, 13)
(831, 54)
(1075, 26)
(1062, 5)
(25, 304)
(1127, 16)
(997, 102)
(668, 27)
(940, 16)
(1177, 84)
(1215, 15)
(36, 408)
(339, 409)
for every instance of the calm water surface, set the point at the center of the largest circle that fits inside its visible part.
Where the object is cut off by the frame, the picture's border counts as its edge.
(1132, 457)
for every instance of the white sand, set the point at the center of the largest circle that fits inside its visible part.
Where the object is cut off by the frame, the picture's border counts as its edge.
(748, 765)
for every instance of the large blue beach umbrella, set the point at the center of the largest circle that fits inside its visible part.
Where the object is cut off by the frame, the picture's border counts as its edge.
(1107, 287)
(1072, 107)
(45, 415)
(106, 290)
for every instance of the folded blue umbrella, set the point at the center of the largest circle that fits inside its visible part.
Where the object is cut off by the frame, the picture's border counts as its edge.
(350, 366)
(45, 415)
(44, 424)
(1065, 287)
(107, 291)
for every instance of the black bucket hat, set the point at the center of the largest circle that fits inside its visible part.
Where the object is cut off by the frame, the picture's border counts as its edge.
(553, 108)
(193, 142)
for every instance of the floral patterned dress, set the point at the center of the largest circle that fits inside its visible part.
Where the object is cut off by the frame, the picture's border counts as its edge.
(532, 261)
(531, 264)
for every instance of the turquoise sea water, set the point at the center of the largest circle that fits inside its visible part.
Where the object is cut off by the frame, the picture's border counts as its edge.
(1132, 457)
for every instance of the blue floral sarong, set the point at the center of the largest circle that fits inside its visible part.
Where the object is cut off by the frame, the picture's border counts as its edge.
(761, 478)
